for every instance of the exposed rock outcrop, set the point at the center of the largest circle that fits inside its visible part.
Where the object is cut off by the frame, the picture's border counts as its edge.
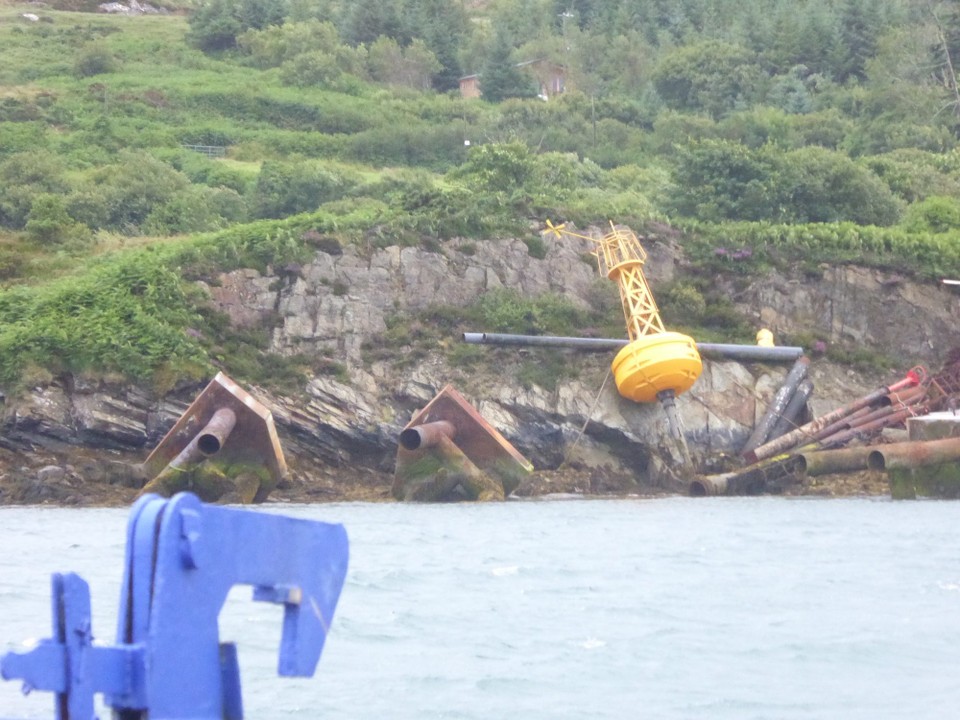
(340, 434)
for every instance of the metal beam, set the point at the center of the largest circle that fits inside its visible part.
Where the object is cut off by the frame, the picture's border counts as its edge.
(711, 351)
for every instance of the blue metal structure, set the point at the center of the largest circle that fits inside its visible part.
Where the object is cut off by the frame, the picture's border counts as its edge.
(182, 558)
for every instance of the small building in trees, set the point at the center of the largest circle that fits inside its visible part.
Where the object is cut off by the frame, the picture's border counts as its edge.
(470, 86)
(550, 78)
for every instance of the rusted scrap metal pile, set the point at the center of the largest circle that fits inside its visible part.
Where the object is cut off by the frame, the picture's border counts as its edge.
(847, 439)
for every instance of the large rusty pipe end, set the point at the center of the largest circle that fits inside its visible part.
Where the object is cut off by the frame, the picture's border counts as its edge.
(215, 433)
(708, 485)
(876, 461)
(427, 435)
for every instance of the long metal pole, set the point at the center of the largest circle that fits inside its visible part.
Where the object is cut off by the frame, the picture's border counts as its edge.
(711, 351)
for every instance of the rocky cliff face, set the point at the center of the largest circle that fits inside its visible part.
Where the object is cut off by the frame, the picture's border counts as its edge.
(71, 441)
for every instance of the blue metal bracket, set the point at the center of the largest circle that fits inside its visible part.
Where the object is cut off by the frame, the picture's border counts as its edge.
(182, 558)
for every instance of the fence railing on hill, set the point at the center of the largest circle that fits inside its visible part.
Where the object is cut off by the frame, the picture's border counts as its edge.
(208, 150)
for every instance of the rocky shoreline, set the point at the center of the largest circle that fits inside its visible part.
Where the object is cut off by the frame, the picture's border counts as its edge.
(65, 485)
(73, 440)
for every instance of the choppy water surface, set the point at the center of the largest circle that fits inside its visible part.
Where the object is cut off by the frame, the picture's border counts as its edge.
(668, 608)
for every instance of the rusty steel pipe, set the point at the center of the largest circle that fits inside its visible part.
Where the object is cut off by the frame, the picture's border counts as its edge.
(709, 485)
(850, 427)
(898, 416)
(914, 454)
(427, 435)
(867, 429)
(848, 431)
(216, 432)
(844, 423)
(826, 462)
(907, 398)
(207, 442)
(808, 432)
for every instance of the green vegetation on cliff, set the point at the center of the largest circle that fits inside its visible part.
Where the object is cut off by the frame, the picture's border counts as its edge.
(769, 133)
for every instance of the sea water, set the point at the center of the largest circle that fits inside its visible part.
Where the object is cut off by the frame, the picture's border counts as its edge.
(552, 609)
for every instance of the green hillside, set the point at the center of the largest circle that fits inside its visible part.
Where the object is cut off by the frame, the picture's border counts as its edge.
(767, 133)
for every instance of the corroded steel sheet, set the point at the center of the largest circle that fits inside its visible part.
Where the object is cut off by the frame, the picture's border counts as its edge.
(252, 441)
(478, 439)
(448, 443)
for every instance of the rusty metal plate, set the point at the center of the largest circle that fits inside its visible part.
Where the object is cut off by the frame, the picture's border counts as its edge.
(253, 439)
(477, 439)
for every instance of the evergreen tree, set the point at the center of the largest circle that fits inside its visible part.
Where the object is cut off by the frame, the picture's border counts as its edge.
(442, 25)
(366, 20)
(259, 14)
(858, 39)
(216, 24)
(501, 78)
(945, 51)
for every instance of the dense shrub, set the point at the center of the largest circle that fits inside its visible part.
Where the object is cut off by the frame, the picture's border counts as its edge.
(291, 110)
(23, 177)
(411, 144)
(933, 215)
(126, 316)
(825, 186)
(503, 168)
(720, 180)
(48, 221)
(133, 188)
(290, 188)
(94, 59)
(277, 44)
(195, 209)
(710, 77)
(447, 212)
(915, 174)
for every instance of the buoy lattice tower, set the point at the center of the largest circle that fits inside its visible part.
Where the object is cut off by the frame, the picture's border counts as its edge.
(657, 364)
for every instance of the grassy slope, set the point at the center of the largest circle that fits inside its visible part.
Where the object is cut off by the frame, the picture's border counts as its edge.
(161, 93)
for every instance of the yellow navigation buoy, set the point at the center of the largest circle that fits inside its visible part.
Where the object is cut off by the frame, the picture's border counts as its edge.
(656, 364)
(649, 365)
